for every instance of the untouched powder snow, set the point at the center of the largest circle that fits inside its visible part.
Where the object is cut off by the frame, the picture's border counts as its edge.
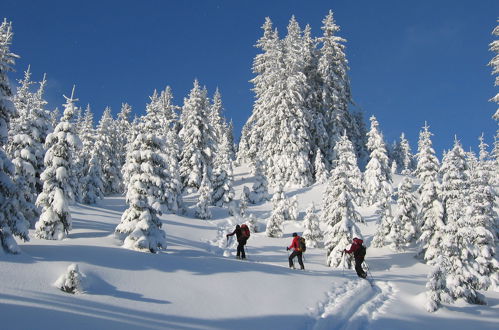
(192, 285)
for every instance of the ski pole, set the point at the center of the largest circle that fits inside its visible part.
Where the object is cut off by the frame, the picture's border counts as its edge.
(369, 270)
(343, 262)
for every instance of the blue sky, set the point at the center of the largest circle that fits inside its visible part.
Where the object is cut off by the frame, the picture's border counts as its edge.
(410, 61)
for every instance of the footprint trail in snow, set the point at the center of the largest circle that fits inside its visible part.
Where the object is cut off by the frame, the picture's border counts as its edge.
(352, 305)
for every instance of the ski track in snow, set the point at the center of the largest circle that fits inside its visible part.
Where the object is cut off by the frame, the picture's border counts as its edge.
(352, 305)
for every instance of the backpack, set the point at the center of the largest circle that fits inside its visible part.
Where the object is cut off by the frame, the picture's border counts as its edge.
(361, 252)
(245, 231)
(302, 246)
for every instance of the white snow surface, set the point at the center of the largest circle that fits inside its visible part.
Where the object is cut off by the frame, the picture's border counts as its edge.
(192, 285)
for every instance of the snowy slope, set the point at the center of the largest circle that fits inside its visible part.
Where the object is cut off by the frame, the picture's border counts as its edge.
(193, 286)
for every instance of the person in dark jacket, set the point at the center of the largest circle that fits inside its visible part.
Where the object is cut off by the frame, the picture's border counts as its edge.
(241, 240)
(359, 259)
(295, 245)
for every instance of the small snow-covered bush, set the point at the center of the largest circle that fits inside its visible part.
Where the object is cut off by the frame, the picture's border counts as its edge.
(70, 281)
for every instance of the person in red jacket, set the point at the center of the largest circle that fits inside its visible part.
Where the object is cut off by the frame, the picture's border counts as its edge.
(295, 245)
(358, 253)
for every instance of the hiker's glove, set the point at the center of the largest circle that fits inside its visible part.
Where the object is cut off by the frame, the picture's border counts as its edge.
(287, 249)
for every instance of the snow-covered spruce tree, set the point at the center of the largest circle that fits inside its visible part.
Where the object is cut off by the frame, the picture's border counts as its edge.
(168, 111)
(312, 232)
(55, 220)
(430, 218)
(223, 192)
(277, 217)
(377, 177)
(404, 162)
(260, 191)
(42, 127)
(377, 183)
(292, 210)
(197, 139)
(146, 167)
(204, 200)
(217, 122)
(266, 66)
(22, 148)
(338, 212)
(321, 172)
(111, 167)
(278, 129)
(91, 161)
(161, 121)
(12, 221)
(478, 228)
(123, 128)
(335, 92)
(404, 226)
(454, 174)
(70, 281)
(286, 132)
(437, 286)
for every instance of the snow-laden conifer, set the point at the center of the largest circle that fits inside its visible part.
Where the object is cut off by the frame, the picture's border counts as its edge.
(454, 174)
(377, 177)
(334, 91)
(321, 173)
(223, 192)
(55, 220)
(91, 161)
(146, 164)
(277, 217)
(437, 286)
(197, 139)
(23, 148)
(377, 183)
(404, 157)
(71, 280)
(204, 199)
(312, 232)
(478, 228)
(111, 167)
(430, 218)
(404, 226)
(123, 128)
(12, 221)
(260, 191)
(339, 212)
(266, 66)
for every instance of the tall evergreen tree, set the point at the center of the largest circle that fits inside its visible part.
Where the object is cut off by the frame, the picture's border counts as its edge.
(377, 177)
(12, 221)
(205, 198)
(312, 232)
(335, 85)
(197, 139)
(321, 173)
(339, 212)
(266, 66)
(478, 228)
(404, 226)
(55, 220)
(22, 149)
(123, 128)
(277, 217)
(147, 173)
(111, 167)
(223, 192)
(430, 219)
